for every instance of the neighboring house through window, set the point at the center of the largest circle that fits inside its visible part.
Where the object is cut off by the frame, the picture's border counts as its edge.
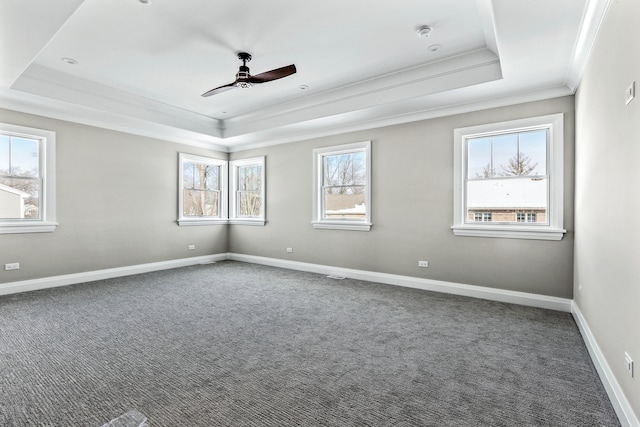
(27, 179)
(203, 190)
(508, 179)
(342, 185)
(247, 191)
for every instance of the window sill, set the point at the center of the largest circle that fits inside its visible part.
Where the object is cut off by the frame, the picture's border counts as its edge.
(202, 221)
(243, 221)
(341, 225)
(34, 227)
(531, 233)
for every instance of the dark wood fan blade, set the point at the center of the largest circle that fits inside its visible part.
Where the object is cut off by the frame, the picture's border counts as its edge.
(220, 89)
(276, 74)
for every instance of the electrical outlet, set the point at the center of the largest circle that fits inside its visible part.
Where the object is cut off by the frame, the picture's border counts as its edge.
(628, 362)
(289, 250)
(630, 93)
(12, 266)
(423, 264)
(192, 247)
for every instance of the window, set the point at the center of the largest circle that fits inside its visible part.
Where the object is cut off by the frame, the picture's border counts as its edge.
(508, 179)
(203, 195)
(342, 184)
(247, 191)
(526, 216)
(27, 179)
(481, 216)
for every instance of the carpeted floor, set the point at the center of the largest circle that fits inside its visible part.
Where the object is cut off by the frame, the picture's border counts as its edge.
(235, 344)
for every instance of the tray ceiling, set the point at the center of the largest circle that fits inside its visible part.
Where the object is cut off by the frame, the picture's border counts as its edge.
(141, 67)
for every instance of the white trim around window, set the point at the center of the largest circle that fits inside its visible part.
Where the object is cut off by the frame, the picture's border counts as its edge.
(552, 229)
(46, 220)
(254, 189)
(357, 217)
(218, 214)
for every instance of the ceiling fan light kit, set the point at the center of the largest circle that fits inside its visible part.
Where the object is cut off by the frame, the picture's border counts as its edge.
(245, 80)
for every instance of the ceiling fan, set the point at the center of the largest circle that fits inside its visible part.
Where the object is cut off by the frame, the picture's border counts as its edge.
(245, 80)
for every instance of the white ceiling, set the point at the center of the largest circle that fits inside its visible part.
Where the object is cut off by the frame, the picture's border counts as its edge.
(142, 67)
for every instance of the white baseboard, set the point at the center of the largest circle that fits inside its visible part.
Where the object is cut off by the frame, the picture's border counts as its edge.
(90, 276)
(513, 297)
(618, 399)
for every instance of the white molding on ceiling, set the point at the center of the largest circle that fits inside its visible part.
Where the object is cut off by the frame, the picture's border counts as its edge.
(467, 69)
(330, 126)
(61, 86)
(487, 18)
(407, 95)
(51, 93)
(327, 126)
(594, 14)
(61, 110)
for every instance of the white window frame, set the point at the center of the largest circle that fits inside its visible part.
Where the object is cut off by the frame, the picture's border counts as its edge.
(47, 158)
(347, 223)
(222, 217)
(234, 217)
(554, 229)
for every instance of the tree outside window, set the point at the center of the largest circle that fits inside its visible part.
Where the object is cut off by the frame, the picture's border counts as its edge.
(27, 180)
(342, 181)
(203, 193)
(506, 174)
(250, 191)
(247, 191)
(344, 185)
(201, 190)
(508, 179)
(20, 180)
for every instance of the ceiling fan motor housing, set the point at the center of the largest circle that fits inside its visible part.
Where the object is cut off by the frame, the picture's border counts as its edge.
(242, 77)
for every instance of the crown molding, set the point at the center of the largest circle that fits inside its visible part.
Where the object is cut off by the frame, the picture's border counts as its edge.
(594, 14)
(67, 111)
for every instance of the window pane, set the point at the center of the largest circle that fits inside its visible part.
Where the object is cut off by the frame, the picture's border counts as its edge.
(20, 167)
(250, 203)
(200, 203)
(479, 160)
(4, 155)
(344, 202)
(533, 152)
(24, 157)
(19, 198)
(188, 175)
(200, 176)
(500, 200)
(209, 177)
(250, 178)
(345, 169)
(505, 154)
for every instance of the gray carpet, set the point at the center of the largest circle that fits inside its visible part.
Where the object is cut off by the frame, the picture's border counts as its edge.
(235, 344)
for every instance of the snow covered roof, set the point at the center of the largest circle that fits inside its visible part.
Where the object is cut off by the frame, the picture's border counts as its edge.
(507, 193)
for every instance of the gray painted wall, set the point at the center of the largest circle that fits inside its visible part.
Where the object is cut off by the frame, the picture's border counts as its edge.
(607, 246)
(412, 202)
(116, 205)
